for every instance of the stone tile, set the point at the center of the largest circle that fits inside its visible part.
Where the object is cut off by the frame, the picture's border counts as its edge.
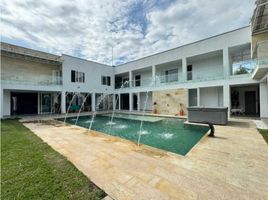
(233, 165)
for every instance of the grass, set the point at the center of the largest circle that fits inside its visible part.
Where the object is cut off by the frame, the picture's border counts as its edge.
(264, 134)
(30, 169)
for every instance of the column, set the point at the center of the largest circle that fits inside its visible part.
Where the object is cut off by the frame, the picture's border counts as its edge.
(153, 75)
(138, 101)
(114, 102)
(198, 96)
(130, 101)
(226, 97)
(93, 102)
(226, 63)
(184, 70)
(63, 102)
(119, 101)
(264, 100)
(130, 79)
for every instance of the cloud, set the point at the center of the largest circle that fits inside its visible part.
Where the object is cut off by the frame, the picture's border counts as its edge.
(134, 28)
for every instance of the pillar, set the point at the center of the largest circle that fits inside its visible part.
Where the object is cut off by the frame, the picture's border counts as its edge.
(264, 100)
(130, 101)
(153, 75)
(93, 102)
(63, 102)
(131, 79)
(226, 97)
(226, 63)
(198, 97)
(184, 70)
(114, 101)
(119, 101)
(138, 101)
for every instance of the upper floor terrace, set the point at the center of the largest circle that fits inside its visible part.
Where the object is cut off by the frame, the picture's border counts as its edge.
(23, 66)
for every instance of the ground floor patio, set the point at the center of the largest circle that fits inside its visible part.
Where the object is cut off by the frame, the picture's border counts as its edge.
(233, 165)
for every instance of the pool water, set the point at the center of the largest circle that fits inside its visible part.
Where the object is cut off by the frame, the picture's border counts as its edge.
(169, 134)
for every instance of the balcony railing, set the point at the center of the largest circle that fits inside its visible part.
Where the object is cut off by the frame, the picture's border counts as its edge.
(244, 67)
(41, 80)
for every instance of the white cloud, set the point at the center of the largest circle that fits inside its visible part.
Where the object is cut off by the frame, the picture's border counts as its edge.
(89, 28)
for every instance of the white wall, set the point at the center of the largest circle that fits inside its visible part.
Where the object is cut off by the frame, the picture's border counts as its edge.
(146, 77)
(211, 97)
(149, 102)
(5, 103)
(93, 73)
(264, 100)
(208, 67)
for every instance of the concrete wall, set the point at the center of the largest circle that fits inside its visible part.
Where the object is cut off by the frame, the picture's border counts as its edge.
(168, 102)
(259, 38)
(211, 97)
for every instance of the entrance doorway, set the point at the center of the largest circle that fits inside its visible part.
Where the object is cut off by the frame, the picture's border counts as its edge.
(24, 103)
(124, 99)
(250, 102)
(135, 102)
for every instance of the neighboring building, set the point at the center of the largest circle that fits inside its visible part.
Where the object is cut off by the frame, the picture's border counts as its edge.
(227, 70)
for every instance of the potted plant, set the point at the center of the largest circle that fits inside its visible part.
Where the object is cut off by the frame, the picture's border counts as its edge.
(155, 110)
(181, 109)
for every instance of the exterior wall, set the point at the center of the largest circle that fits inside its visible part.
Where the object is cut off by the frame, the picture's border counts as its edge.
(259, 38)
(209, 67)
(211, 97)
(24, 71)
(93, 73)
(168, 102)
(146, 77)
(149, 102)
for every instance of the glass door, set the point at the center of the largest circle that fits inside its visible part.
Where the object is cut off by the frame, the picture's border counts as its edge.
(46, 103)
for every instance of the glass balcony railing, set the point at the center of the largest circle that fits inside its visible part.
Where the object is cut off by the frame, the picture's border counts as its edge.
(41, 80)
(243, 67)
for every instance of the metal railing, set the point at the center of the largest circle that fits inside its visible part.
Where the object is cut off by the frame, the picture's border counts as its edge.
(42, 80)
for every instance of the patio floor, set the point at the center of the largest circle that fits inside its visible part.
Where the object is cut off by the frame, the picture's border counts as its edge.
(232, 165)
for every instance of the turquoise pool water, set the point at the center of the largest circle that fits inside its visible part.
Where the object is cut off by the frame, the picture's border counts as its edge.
(163, 133)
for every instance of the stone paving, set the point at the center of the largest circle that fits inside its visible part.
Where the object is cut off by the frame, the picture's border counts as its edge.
(232, 165)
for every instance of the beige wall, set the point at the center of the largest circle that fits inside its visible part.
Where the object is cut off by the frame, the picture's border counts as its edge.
(18, 69)
(168, 101)
(262, 52)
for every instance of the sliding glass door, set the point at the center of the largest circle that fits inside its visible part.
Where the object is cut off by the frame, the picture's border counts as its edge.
(45, 103)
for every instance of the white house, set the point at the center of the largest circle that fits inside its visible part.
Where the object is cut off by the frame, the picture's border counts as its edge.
(226, 70)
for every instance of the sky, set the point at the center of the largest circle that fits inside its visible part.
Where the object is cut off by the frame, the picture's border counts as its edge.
(131, 29)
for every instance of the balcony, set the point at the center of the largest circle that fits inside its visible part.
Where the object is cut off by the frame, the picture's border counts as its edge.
(41, 80)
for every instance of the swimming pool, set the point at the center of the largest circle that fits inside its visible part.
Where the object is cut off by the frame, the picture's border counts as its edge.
(168, 134)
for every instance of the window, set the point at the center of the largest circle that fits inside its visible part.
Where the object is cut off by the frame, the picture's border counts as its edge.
(72, 76)
(189, 72)
(77, 76)
(137, 80)
(106, 80)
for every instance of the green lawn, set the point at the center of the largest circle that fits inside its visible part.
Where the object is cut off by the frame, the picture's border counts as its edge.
(30, 169)
(264, 134)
